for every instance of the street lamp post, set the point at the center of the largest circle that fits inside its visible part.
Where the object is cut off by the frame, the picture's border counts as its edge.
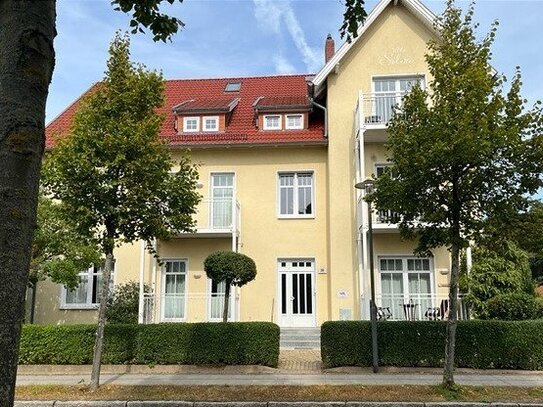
(368, 186)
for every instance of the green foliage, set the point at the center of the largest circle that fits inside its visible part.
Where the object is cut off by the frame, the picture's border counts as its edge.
(112, 172)
(147, 14)
(464, 151)
(202, 343)
(234, 268)
(479, 344)
(354, 16)
(230, 343)
(58, 251)
(123, 305)
(527, 230)
(495, 273)
(73, 344)
(515, 306)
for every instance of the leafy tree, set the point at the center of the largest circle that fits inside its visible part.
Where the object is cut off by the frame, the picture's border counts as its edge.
(27, 31)
(460, 153)
(516, 306)
(58, 251)
(112, 171)
(123, 304)
(232, 268)
(495, 273)
(527, 230)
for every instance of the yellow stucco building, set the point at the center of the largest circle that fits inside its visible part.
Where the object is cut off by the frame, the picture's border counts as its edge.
(279, 157)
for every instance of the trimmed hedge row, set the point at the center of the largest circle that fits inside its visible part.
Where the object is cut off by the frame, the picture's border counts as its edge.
(479, 344)
(233, 343)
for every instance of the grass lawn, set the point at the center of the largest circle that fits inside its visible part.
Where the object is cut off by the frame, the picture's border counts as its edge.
(281, 393)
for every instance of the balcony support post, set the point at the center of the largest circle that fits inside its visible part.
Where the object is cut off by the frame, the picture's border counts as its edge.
(141, 299)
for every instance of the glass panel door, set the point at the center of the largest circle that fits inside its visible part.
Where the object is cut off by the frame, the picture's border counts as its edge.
(216, 300)
(174, 290)
(222, 194)
(296, 291)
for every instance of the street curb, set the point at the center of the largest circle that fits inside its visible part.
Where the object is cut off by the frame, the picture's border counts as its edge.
(158, 403)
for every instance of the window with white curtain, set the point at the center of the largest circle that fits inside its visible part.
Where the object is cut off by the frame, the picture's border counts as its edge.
(296, 194)
(406, 280)
(87, 293)
(174, 277)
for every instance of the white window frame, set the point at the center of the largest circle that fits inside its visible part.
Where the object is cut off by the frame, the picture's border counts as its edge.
(266, 127)
(186, 119)
(300, 127)
(296, 215)
(89, 273)
(380, 165)
(405, 273)
(163, 288)
(205, 119)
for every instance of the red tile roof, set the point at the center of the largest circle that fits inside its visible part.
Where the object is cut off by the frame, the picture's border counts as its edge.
(278, 103)
(241, 128)
(207, 105)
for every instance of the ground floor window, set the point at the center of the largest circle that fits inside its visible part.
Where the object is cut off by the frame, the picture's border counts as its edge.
(406, 286)
(174, 277)
(216, 300)
(87, 293)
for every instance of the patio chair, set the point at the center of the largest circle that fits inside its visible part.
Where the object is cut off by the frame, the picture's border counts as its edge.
(433, 313)
(383, 313)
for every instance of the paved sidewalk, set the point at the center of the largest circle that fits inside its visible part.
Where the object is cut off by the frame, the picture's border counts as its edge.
(517, 379)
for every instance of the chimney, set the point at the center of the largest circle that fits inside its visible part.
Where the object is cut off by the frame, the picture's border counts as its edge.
(329, 48)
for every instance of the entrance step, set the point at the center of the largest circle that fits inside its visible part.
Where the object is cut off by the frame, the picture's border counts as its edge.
(300, 338)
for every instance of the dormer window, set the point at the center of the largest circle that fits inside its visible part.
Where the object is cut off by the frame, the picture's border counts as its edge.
(272, 122)
(211, 123)
(191, 124)
(294, 121)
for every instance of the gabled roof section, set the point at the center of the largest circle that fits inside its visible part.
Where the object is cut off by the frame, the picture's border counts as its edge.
(416, 7)
(282, 103)
(209, 93)
(206, 105)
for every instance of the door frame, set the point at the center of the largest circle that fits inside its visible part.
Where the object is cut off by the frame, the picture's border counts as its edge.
(279, 293)
(163, 288)
(211, 197)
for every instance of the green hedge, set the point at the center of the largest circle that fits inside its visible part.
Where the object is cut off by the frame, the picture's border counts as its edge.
(233, 343)
(479, 344)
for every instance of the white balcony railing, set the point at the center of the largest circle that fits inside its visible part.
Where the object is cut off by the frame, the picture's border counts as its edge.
(218, 215)
(176, 307)
(379, 218)
(417, 307)
(376, 109)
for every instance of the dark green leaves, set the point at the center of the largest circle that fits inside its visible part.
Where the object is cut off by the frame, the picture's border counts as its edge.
(234, 268)
(355, 15)
(147, 14)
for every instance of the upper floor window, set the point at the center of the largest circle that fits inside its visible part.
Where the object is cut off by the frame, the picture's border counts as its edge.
(388, 93)
(211, 123)
(87, 293)
(381, 168)
(296, 194)
(294, 121)
(272, 122)
(191, 124)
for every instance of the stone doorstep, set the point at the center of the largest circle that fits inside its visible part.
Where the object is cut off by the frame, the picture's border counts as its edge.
(29, 370)
(260, 404)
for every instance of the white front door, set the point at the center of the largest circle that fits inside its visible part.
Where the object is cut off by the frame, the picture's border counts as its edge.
(296, 305)
(222, 194)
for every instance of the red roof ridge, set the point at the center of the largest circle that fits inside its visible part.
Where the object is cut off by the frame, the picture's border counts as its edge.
(74, 102)
(242, 77)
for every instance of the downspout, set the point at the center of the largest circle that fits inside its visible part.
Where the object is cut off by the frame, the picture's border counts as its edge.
(325, 116)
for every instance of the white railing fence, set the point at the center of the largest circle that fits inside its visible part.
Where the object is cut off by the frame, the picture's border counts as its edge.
(175, 307)
(417, 307)
(376, 109)
(218, 214)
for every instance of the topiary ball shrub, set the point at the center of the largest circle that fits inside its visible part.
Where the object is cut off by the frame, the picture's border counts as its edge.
(514, 307)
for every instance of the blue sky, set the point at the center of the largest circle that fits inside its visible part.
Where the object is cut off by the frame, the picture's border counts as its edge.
(258, 37)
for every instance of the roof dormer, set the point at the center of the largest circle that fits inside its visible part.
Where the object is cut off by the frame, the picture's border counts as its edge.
(204, 115)
(282, 112)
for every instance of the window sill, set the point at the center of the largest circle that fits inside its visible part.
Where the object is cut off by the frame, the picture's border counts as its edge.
(296, 217)
(75, 307)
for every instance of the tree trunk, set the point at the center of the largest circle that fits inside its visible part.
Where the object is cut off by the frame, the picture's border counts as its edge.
(27, 30)
(226, 302)
(99, 341)
(448, 371)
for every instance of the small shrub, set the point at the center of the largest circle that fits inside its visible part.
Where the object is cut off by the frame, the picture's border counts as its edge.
(123, 305)
(514, 307)
(479, 344)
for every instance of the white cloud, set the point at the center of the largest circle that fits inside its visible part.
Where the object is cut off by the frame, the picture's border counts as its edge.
(271, 13)
(282, 66)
